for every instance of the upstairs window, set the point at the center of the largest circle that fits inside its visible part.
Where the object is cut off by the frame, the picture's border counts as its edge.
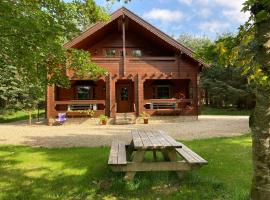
(110, 52)
(136, 53)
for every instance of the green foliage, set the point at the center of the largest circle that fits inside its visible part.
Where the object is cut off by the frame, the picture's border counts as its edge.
(223, 85)
(83, 173)
(208, 110)
(7, 116)
(193, 42)
(103, 118)
(88, 112)
(145, 115)
(32, 34)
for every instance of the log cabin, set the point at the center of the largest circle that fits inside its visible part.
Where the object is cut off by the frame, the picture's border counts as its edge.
(148, 71)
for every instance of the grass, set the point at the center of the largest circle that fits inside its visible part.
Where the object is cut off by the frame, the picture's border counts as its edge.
(207, 110)
(82, 173)
(11, 116)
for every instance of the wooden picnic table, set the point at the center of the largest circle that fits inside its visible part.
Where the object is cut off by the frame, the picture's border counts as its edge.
(130, 158)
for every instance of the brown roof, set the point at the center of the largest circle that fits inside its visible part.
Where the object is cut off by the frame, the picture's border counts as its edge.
(123, 11)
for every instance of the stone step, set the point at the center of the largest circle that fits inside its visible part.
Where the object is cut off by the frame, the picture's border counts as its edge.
(125, 118)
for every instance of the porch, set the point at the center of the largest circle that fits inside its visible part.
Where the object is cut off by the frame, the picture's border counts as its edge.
(112, 96)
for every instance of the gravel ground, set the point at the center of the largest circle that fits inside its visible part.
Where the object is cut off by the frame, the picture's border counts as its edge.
(87, 132)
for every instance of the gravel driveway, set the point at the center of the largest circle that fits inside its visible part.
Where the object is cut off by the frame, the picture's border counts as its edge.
(86, 132)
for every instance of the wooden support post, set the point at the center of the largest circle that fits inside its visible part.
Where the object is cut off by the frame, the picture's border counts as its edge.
(138, 157)
(110, 96)
(139, 96)
(172, 155)
(51, 112)
(124, 45)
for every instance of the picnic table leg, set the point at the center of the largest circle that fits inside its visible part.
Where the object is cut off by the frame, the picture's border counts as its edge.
(138, 157)
(165, 155)
(172, 155)
(155, 155)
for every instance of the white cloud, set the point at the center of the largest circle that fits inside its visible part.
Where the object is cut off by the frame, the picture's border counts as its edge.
(164, 15)
(214, 26)
(235, 15)
(204, 12)
(187, 2)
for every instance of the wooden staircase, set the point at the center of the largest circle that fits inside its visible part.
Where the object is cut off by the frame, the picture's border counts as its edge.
(125, 118)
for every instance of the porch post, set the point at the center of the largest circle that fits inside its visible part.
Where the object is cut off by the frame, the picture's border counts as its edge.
(195, 94)
(110, 108)
(139, 97)
(51, 112)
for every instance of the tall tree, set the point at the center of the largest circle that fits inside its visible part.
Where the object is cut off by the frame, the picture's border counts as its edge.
(250, 50)
(32, 34)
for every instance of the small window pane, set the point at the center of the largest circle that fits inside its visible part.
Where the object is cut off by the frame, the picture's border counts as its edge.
(83, 92)
(110, 52)
(124, 94)
(137, 53)
(163, 92)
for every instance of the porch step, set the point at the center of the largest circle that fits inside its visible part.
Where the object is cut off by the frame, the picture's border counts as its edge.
(125, 118)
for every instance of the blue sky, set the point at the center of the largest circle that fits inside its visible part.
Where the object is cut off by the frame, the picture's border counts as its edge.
(196, 17)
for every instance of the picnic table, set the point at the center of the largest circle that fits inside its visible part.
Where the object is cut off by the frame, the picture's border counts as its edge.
(130, 158)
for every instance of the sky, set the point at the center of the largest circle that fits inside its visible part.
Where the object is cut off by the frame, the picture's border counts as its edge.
(196, 17)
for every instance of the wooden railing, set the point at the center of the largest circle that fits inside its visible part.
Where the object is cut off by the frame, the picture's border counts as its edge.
(79, 102)
(167, 103)
(150, 59)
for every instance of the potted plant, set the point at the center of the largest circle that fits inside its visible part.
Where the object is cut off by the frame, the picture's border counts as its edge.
(145, 117)
(103, 119)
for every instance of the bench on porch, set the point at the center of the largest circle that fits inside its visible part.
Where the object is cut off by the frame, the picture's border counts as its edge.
(130, 158)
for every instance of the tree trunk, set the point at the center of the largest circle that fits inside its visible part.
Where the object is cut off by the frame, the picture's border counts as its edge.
(260, 124)
(30, 117)
(261, 117)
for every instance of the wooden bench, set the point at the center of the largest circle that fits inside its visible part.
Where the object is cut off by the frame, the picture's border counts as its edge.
(118, 154)
(190, 156)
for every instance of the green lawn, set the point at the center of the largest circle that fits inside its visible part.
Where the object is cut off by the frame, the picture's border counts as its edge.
(206, 110)
(82, 173)
(9, 116)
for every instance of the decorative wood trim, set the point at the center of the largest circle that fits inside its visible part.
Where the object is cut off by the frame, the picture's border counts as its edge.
(125, 12)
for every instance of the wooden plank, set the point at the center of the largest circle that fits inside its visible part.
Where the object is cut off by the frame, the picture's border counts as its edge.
(136, 139)
(156, 143)
(145, 140)
(193, 154)
(122, 155)
(172, 141)
(113, 153)
(134, 167)
(162, 140)
(190, 156)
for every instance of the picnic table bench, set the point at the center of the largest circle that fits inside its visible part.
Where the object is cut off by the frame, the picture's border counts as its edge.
(130, 158)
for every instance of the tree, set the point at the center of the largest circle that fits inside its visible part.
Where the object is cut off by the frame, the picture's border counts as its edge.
(192, 42)
(32, 34)
(250, 51)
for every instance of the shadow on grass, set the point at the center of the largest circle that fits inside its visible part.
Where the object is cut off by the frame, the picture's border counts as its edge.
(82, 173)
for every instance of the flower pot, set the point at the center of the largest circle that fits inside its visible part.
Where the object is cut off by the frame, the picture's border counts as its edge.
(103, 122)
(145, 121)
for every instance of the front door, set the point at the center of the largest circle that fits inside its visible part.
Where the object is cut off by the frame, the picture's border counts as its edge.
(124, 97)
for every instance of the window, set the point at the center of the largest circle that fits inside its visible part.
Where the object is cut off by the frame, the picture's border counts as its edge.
(83, 92)
(110, 52)
(136, 53)
(124, 94)
(163, 92)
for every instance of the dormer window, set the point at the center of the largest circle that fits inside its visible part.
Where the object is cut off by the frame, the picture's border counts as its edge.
(110, 52)
(136, 53)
